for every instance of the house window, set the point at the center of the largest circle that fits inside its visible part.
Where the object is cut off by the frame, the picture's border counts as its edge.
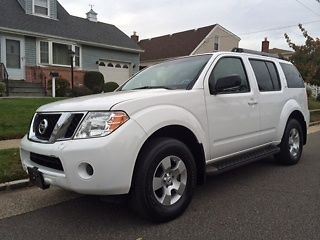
(60, 54)
(54, 53)
(44, 52)
(77, 56)
(216, 43)
(13, 54)
(41, 7)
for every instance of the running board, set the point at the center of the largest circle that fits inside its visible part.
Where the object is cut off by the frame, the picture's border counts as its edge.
(240, 160)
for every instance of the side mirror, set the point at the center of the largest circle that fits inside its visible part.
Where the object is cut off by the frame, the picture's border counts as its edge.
(225, 84)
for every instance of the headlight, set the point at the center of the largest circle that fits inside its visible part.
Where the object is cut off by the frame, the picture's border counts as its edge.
(100, 124)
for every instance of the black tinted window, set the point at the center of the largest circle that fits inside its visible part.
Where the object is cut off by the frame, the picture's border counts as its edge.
(262, 75)
(274, 75)
(229, 66)
(293, 76)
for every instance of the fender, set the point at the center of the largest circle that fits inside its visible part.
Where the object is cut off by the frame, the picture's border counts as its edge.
(153, 118)
(289, 107)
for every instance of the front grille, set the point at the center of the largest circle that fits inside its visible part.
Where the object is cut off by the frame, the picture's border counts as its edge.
(46, 161)
(51, 119)
(44, 124)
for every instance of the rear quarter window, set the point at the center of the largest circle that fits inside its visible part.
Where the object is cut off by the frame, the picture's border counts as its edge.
(294, 79)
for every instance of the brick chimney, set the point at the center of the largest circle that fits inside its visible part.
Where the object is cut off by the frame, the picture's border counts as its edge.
(265, 45)
(135, 37)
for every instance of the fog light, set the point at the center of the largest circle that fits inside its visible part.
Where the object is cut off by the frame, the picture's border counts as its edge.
(85, 170)
(89, 169)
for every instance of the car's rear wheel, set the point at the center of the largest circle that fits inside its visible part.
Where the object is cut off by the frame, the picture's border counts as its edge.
(292, 143)
(164, 180)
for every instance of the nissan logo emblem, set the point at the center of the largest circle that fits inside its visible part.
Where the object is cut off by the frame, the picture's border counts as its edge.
(43, 126)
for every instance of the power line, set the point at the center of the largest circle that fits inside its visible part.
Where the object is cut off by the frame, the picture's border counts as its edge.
(305, 6)
(278, 28)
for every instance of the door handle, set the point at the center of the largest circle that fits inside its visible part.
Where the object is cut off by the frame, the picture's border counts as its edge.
(252, 103)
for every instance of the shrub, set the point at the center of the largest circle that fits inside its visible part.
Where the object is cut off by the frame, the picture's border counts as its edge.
(81, 91)
(309, 91)
(2, 89)
(94, 81)
(62, 87)
(318, 97)
(110, 86)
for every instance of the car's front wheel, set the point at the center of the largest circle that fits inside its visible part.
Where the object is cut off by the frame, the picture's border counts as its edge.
(164, 180)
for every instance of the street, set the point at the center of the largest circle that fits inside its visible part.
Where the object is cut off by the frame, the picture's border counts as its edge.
(263, 200)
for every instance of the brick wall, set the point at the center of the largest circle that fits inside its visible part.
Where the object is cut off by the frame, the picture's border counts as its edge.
(42, 75)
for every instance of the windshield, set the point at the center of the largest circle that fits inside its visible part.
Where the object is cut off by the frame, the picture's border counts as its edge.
(176, 74)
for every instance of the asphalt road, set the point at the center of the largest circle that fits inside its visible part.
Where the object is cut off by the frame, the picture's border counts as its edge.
(263, 200)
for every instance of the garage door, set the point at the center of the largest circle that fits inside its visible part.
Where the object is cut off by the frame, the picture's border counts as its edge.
(114, 71)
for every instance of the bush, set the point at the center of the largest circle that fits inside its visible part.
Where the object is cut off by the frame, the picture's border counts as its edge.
(81, 91)
(62, 87)
(94, 81)
(110, 86)
(309, 91)
(318, 97)
(2, 89)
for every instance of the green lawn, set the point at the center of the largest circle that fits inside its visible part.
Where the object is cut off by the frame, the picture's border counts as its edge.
(313, 104)
(10, 166)
(16, 114)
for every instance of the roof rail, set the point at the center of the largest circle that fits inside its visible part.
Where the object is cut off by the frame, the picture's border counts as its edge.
(243, 50)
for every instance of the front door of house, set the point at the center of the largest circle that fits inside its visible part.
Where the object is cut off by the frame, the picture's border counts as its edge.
(14, 58)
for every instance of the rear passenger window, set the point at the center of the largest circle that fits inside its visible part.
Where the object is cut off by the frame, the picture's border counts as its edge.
(294, 79)
(274, 75)
(266, 74)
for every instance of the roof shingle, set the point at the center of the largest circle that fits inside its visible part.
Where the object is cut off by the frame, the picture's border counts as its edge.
(12, 16)
(175, 45)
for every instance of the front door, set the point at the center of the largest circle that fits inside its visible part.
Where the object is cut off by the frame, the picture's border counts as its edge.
(14, 58)
(233, 116)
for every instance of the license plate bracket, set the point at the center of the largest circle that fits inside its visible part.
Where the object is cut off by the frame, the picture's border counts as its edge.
(36, 178)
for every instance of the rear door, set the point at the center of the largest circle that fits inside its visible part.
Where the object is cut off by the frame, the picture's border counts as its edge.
(233, 117)
(271, 98)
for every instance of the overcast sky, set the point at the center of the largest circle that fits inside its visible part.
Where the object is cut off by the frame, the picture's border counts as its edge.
(151, 18)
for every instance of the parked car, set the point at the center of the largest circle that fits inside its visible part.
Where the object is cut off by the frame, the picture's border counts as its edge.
(162, 131)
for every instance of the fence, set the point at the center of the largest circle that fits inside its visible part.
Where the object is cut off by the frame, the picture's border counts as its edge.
(315, 90)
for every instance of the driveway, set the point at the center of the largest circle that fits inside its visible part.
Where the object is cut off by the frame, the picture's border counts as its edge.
(261, 201)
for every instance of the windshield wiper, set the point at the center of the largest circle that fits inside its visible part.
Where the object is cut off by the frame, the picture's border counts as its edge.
(152, 87)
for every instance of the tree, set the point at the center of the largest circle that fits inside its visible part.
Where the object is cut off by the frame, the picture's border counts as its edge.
(306, 57)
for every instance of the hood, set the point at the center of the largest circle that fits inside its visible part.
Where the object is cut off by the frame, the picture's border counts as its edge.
(100, 102)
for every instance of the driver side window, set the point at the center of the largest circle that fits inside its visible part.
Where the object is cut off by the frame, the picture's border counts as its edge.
(230, 66)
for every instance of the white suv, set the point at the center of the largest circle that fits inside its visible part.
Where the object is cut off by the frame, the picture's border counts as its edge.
(158, 134)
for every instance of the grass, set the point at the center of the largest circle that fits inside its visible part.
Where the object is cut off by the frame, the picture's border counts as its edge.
(10, 166)
(16, 115)
(313, 104)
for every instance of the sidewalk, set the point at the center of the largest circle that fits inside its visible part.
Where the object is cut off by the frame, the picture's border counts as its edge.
(7, 144)
(15, 143)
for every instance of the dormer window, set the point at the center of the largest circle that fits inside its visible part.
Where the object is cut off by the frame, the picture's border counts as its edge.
(41, 7)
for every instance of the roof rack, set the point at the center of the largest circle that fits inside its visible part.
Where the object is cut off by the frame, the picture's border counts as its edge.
(243, 50)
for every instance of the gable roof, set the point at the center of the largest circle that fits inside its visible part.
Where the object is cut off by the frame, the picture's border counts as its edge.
(14, 19)
(175, 45)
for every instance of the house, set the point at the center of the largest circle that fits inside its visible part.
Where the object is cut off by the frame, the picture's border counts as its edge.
(39, 36)
(282, 53)
(196, 41)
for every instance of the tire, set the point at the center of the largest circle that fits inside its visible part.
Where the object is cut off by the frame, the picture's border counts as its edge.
(291, 144)
(165, 166)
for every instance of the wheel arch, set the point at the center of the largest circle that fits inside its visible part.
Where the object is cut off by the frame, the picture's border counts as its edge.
(292, 110)
(184, 135)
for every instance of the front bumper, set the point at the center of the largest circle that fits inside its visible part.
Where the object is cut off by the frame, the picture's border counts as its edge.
(112, 159)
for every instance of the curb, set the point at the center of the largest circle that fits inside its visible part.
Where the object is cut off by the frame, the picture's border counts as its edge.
(314, 124)
(15, 185)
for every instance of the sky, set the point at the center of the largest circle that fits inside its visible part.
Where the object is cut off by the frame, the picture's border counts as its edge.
(251, 20)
